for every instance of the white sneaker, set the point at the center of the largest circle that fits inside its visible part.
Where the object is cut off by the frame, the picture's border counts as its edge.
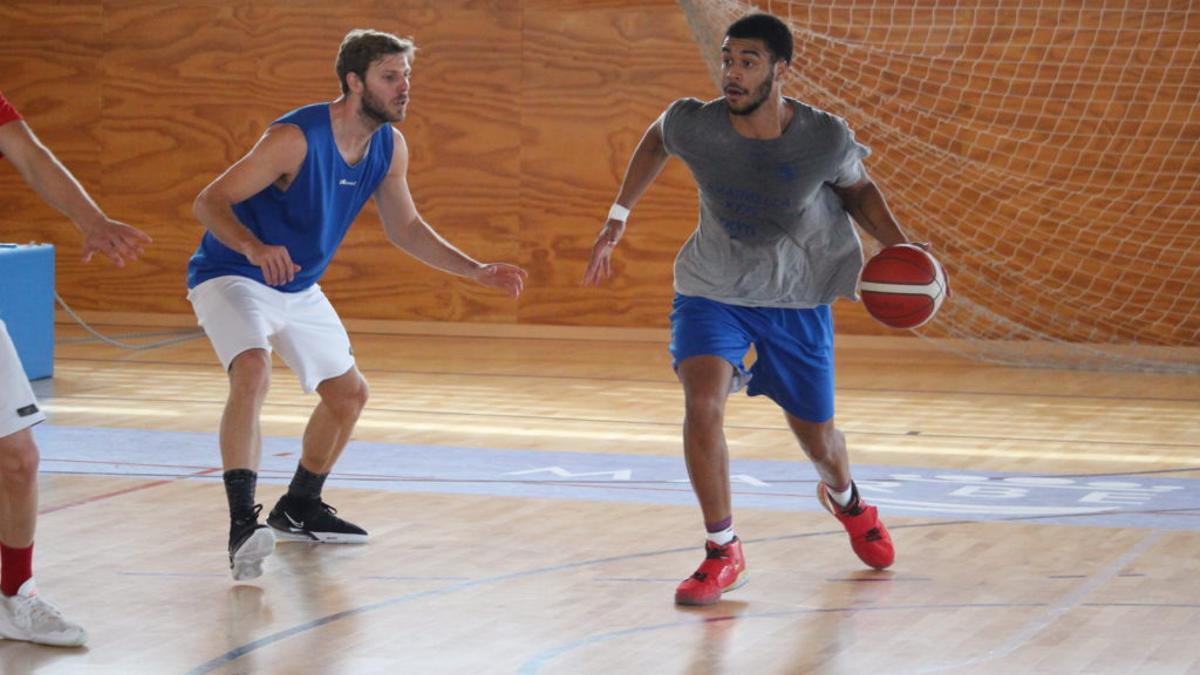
(246, 556)
(25, 616)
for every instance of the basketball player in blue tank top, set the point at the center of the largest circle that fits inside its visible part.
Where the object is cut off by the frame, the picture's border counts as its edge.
(774, 247)
(274, 220)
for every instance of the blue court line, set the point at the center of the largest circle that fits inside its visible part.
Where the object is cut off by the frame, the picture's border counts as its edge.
(1135, 500)
(1059, 608)
(249, 647)
(1018, 639)
(240, 651)
(949, 497)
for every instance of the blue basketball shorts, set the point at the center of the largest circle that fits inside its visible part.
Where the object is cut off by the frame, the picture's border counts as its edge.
(794, 347)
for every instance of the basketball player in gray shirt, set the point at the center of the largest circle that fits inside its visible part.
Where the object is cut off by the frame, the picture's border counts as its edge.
(778, 182)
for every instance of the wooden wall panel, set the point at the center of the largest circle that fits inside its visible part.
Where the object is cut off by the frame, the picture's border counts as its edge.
(50, 68)
(523, 116)
(594, 80)
(250, 62)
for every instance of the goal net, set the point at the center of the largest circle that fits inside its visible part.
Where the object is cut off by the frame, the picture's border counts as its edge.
(1048, 150)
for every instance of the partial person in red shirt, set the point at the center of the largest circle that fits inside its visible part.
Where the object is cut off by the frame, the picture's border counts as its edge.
(23, 614)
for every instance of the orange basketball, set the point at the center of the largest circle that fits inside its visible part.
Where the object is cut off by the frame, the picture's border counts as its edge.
(903, 286)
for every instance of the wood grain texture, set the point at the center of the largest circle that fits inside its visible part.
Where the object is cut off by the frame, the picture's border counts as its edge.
(50, 69)
(597, 78)
(500, 582)
(524, 115)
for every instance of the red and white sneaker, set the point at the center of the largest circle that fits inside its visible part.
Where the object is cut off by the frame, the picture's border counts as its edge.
(868, 537)
(723, 569)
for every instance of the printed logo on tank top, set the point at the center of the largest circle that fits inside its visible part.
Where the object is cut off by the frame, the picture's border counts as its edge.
(351, 183)
(27, 410)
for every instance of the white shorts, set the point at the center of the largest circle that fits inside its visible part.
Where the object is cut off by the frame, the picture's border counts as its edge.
(18, 406)
(239, 314)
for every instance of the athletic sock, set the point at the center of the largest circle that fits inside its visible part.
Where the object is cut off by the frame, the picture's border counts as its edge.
(16, 567)
(720, 532)
(306, 484)
(239, 490)
(842, 498)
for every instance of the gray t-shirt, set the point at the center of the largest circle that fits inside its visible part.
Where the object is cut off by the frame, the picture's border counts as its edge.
(772, 232)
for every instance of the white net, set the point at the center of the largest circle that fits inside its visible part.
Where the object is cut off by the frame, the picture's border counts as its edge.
(1048, 149)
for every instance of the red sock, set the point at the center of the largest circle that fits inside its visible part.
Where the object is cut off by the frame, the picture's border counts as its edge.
(16, 566)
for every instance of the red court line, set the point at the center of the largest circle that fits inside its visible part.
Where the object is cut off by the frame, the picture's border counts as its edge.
(117, 493)
(120, 463)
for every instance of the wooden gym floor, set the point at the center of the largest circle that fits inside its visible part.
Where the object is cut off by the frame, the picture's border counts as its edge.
(529, 513)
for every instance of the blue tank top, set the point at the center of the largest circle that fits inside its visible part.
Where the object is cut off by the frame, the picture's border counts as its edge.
(312, 216)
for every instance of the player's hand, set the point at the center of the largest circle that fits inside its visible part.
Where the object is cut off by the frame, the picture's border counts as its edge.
(928, 248)
(275, 262)
(115, 240)
(508, 278)
(600, 264)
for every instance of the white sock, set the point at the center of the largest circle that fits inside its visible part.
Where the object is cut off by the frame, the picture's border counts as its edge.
(723, 537)
(843, 497)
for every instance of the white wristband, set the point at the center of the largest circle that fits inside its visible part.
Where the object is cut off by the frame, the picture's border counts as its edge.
(618, 212)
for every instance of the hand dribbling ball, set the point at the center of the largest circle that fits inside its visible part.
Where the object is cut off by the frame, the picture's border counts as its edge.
(903, 286)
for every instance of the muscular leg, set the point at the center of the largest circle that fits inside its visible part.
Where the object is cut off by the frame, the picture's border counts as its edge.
(705, 382)
(705, 389)
(342, 401)
(241, 452)
(825, 445)
(18, 489)
(301, 514)
(241, 435)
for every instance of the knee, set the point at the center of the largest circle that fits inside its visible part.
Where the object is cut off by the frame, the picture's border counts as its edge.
(18, 458)
(705, 410)
(250, 375)
(356, 398)
(348, 401)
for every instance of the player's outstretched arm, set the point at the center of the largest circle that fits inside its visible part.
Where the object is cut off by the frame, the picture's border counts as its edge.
(866, 205)
(868, 208)
(408, 231)
(55, 184)
(646, 163)
(278, 154)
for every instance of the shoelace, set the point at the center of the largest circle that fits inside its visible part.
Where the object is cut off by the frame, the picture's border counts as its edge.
(711, 553)
(873, 534)
(251, 518)
(40, 609)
